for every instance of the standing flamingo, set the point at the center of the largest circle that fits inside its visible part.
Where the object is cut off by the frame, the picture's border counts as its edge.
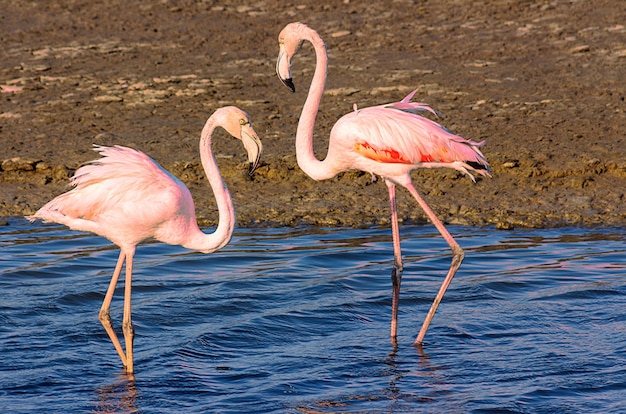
(127, 197)
(388, 140)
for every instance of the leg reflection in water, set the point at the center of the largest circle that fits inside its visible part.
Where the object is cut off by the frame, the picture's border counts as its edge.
(119, 397)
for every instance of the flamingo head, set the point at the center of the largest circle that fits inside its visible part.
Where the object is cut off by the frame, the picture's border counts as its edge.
(237, 123)
(290, 40)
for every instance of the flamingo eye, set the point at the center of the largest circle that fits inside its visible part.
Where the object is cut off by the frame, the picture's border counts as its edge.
(242, 122)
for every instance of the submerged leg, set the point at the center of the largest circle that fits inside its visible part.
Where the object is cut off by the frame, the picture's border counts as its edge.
(127, 325)
(457, 258)
(105, 316)
(396, 272)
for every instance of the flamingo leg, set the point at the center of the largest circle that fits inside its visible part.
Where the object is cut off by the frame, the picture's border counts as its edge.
(396, 272)
(457, 258)
(127, 325)
(105, 316)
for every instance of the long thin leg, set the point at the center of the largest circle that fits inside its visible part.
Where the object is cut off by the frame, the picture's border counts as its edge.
(105, 316)
(396, 272)
(127, 324)
(457, 258)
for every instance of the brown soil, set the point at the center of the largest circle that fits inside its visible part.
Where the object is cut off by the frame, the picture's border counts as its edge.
(543, 82)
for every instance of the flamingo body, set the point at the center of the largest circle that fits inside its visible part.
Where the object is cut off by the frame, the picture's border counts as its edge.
(126, 197)
(392, 142)
(388, 140)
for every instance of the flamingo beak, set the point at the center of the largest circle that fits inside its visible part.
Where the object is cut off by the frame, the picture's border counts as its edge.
(283, 69)
(289, 83)
(252, 144)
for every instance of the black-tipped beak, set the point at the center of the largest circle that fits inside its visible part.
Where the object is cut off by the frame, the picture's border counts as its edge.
(253, 145)
(251, 168)
(289, 83)
(283, 68)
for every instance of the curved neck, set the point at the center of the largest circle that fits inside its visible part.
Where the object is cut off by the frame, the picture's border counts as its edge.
(314, 168)
(221, 236)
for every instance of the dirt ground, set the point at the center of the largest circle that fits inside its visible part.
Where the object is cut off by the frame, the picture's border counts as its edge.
(543, 82)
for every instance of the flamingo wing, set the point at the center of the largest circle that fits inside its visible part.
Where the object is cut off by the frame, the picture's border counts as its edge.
(124, 185)
(395, 133)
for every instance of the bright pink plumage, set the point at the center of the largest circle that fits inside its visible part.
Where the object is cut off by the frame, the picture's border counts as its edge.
(127, 197)
(125, 190)
(394, 133)
(388, 140)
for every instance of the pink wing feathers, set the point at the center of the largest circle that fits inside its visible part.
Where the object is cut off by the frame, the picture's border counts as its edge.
(122, 176)
(394, 133)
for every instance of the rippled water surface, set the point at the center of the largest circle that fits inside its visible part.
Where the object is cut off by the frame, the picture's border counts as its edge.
(297, 321)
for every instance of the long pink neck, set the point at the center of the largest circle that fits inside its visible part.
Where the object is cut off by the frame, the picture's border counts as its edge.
(221, 236)
(314, 168)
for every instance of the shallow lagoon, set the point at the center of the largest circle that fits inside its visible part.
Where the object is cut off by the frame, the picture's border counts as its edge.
(296, 320)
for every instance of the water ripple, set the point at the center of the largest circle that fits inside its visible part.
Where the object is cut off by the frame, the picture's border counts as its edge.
(296, 321)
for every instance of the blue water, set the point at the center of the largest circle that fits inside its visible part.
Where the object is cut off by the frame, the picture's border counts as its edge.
(297, 320)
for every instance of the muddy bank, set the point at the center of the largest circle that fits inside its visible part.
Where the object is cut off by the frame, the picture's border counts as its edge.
(542, 82)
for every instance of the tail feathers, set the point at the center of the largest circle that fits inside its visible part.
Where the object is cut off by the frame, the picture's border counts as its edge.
(482, 163)
(54, 214)
(32, 218)
(49, 213)
(467, 167)
(471, 154)
(478, 167)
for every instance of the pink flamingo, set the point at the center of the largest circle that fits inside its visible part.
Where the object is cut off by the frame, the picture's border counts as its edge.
(127, 198)
(388, 140)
